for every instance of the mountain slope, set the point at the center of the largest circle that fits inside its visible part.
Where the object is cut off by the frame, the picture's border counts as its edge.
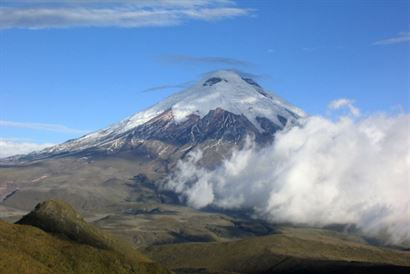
(70, 246)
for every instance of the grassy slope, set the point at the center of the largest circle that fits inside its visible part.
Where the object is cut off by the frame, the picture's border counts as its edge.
(27, 249)
(70, 245)
(258, 254)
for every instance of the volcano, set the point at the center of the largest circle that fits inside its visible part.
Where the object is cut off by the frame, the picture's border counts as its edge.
(124, 162)
(214, 115)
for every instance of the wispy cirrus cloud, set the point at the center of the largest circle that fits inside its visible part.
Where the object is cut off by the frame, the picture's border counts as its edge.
(204, 60)
(127, 14)
(402, 37)
(167, 86)
(137, 3)
(42, 126)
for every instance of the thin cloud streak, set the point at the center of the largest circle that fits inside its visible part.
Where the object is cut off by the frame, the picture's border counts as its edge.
(167, 86)
(136, 3)
(204, 60)
(124, 14)
(42, 126)
(402, 37)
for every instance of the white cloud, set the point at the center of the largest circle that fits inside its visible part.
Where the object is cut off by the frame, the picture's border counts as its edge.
(349, 171)
(9, 147)
(344, 103)
(137, 3)
(402, 37)
(42, 126)
(167, 86)
(131, 14)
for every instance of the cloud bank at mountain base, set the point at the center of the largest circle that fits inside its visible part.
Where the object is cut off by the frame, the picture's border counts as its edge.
(352, 170)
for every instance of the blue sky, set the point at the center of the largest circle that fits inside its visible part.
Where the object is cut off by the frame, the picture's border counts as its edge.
(66, 69)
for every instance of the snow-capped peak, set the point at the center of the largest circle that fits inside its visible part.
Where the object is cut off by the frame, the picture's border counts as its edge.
(225, 89)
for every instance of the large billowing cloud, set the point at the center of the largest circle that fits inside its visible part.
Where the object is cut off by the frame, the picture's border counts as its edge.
(345, 171)
(125, 13)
